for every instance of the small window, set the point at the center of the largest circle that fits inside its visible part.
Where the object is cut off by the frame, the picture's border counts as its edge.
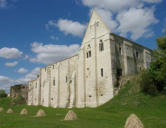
(89, 53)
(90, 96)
(54, 82)
(137, 54)
(66, 79)
(120, 50)
(102, 73)
(45, 69)
(101, 46)
(53, 66)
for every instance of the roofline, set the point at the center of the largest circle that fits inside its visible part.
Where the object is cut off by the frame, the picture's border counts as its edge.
(131, 41)
(60, 61)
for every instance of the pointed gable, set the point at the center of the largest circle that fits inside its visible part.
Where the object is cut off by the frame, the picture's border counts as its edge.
(96, 27)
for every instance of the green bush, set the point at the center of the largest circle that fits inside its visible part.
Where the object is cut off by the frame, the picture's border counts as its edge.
(154, 79)
(147, 85)
(3, 94)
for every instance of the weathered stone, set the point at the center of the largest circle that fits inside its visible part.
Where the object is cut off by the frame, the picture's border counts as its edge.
(1, 109)
(19, 90)
(71, 115)
(9, 111)
(133, 122)
(102, 60)
(40, 113)
(24, 112)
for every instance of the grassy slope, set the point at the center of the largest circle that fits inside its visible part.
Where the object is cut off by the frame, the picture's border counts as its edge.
(151, 110)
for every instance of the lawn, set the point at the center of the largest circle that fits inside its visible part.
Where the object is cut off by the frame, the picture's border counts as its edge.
(150, 110)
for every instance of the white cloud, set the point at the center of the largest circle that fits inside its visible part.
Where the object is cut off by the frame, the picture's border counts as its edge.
(152, 1)
(71, 27)
(22, 70)
(117, 5)
(5, 83)
(114, 5)
(11, 64)
(108, 18)
(3, 3)
(127, 17)
(136, 22)
(51, 53)
(10, 53)
(4, 80)
(30, 76)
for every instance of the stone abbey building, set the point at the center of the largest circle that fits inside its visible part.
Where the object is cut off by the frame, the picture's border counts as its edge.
(88, 79)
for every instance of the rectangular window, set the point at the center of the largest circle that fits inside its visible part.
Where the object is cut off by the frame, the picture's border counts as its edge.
(102, 72)
(66, 79)
(137, 54)
(89, 53)
(101, 46)
(120, 51)
(54, 82)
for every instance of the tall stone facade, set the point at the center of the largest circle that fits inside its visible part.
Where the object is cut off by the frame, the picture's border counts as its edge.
(89, 78)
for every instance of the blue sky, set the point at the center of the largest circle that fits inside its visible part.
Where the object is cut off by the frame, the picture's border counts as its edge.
(35, 33)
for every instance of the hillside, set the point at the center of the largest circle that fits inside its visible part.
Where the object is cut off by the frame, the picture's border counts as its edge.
(151, 111)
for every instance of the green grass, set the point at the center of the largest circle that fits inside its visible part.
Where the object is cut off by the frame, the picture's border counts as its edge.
(151, 111)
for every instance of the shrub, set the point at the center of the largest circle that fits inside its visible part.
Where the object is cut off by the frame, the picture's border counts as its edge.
(3, 94)
(154, 79)
(147, 85)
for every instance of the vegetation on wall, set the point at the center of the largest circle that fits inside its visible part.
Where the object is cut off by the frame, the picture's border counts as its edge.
(153, 80)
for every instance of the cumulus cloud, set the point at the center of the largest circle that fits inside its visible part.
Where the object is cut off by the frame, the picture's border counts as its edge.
(114, 5)
(11, 64)
(5, 83)
(108, 18)
(30, 76)
(71, 27)
(22, 70)
(127, 17)
(3, 3)
(67, 26)
(117, 5)
(51, 53)
(152, 1)
(136, 21)
(10, 53)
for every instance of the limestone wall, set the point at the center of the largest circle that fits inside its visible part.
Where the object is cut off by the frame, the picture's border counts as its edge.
(89, 78)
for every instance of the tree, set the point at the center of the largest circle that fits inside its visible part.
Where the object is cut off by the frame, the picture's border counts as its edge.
(3, 93)
(154, 79)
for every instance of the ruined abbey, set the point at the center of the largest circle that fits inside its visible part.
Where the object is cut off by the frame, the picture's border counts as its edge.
(88, 79)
